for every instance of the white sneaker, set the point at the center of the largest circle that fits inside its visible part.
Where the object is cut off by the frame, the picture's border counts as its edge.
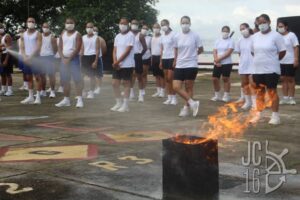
(84, 94)
(43, 93)
(292, 101)
(156, 94)
(63, 103)
(131, 96)
(123, 108)
(216, 98)
(49, 90)
(28, 100)
(162, 94)
(275, 120)
(195, 108)
(168, 101)
(79, 103)
(141, 99)
(26, 87)
(184, 112)
(247, 106)
(117, 106)
(60, 89)
(2, 92)
(52, 94)
(97, 91)
(256, 118)
(37, 100)
(226, 98)
(174, 101)
(22, 88)
(240, 100)
(9, 93)
(284, 101)
(90, 95)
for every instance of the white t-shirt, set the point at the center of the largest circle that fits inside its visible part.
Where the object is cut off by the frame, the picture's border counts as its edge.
(266, 48)
(122, 41)
(168, 44)
(290, 41)
(89, 45)
(156, 46)
(187, 45)
(147, 54)
(244, 48)
(69, 43)
(30, 42)
(222, 46)
(46, 49)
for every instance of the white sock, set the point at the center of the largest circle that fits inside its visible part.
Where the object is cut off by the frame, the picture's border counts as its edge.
(253, 99)
(226, 94)
(25, 83)
(217, 94)
(191, 102)
(158, 89)
(173, 97)
(143, 92)
(79, 98)
(285, 97)
(3, 88)
(125, 101)
(292, 98)
(242, 93)
(38, 94)
(162, 90)
(275, 114)
(30, 93)
(9, 88)
(169, 97)
(248, 99)
(67, 98)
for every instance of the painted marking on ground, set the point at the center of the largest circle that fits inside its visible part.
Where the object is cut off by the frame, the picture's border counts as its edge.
(134, 136)
(68, 152)
(13, 188)
(22, 118)
(6, 137)
(61, 126)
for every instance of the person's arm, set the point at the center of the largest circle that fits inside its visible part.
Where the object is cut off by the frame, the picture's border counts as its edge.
(95, 63)
(144, 44)
(8, 42)
(22, 46)
(175, 56)
(124, 55)
(296, 52)
(60, 47)
(161, 53)
(103, 46)
(225, 55)
(215, 53)
(39, 45)
(54, 45)
(115, 55)
(200, 50)
(82, 50)
(78, 46)
(282, 54)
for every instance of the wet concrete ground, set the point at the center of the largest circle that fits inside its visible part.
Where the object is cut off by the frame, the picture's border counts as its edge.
(91, 153)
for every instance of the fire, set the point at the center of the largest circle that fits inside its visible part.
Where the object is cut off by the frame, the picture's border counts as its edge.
(226, 123)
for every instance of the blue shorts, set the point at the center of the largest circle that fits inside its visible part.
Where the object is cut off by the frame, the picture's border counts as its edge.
(49, 67)
(20, 63)
(72, 70)
(35, 67)
(100, 68)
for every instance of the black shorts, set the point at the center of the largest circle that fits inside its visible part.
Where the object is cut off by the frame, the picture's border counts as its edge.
(224, 70)
(138, 59)
(123, 74)
(8, 69)
(167, 64)
(266, 80)
(147, 61)
(155, 66)
(288, 70)
(87, 62)
(185, 74)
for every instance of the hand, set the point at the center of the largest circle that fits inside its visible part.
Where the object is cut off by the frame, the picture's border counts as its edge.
(217, 60)
(296, 64)
(26, 59)
(66, 61)
(218, 64)
(116, 65)
(94, 65)
(160, 66)
(174, 65)
(4, 64)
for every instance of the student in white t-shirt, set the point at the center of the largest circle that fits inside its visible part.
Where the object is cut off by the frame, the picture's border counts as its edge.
(167, 60)
(244, 48)
(268, 48)
(289, 63)
(123, 65)
(155, 60)
(147, 56)
(223, 65)
(90, 57)
(188, 46)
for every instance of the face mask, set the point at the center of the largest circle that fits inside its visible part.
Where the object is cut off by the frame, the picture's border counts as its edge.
(245, 33)
(123, 28)
(185, 27)
(144, 32)
(89, 30)
(46, 30)
(281, 30)
(264, 27)
(225, 35)
(69, 27)
(1, 30)
(95, 33)
(164, 28)
(156, 31)
(134, 27)
(30, 25)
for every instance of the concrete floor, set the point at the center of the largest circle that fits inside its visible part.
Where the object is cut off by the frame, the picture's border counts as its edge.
(91, 153)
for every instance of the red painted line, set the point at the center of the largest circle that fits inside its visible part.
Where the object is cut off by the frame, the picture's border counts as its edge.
(3, 151)
(107, 139)
(6, 137)
(92, 151)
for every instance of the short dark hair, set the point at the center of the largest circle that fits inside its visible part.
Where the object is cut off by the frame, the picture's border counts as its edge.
(248, 27)
(186, 17)
(266, 17)
(227, 27)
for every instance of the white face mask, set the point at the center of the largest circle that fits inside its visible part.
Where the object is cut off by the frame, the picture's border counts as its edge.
(46, 30)
(144, 32)
(134, 27)
(185, 27)
(1, 30)
(89, 30)
(264, 27)
(156, 31)
(30, 25)
(281, 30)
(225, 35)
(69, 27)
(95, 33)
(123, 28)
(245, 33)
(164, 28)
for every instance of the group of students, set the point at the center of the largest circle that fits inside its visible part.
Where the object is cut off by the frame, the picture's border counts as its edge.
(173, 57)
